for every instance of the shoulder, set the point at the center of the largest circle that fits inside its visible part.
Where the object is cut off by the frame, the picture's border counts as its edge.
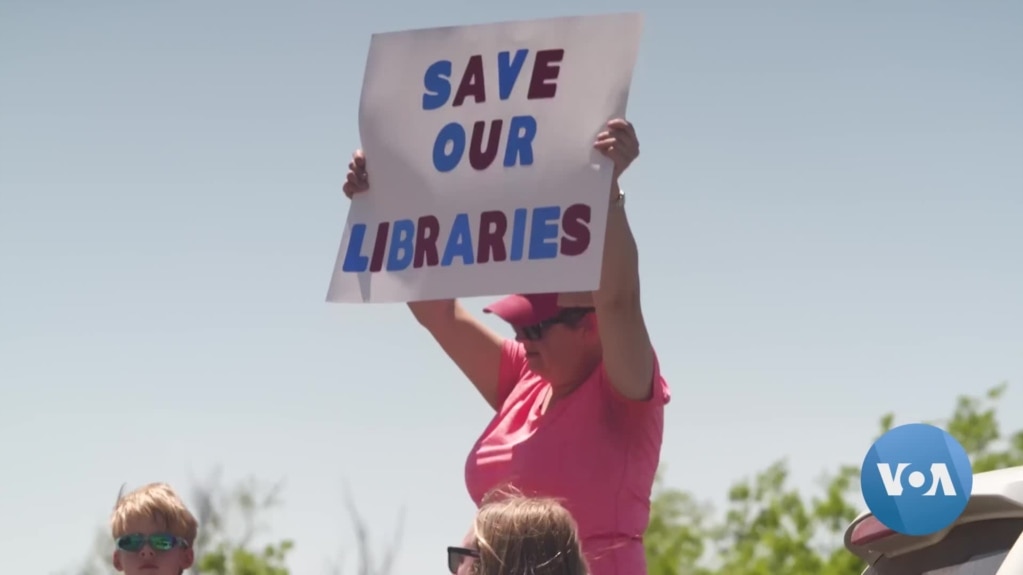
(514, 370)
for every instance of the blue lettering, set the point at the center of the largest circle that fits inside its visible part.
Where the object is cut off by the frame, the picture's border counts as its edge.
(460, 242)
(455, 134)
(437, 84)
(521, 131)
(541, 230)
(518, 234)
(399, 256)
(354, 260)
(508, 71)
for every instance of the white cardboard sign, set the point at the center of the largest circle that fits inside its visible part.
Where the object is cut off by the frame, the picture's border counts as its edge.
(479, 149)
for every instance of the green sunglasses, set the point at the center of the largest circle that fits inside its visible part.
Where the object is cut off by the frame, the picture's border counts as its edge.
(158, 541)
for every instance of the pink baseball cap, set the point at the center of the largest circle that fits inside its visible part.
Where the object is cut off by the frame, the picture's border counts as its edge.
(525, 309)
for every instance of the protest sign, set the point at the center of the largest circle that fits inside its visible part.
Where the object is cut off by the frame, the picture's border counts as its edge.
(479, 148)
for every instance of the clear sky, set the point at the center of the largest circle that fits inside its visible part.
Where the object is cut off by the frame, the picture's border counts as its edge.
(829, 207)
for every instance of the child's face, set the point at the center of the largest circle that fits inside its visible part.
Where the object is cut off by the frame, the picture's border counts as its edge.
(150, 561)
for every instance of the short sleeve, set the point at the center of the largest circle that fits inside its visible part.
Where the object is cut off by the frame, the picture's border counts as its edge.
(660, 392)
(513, 368)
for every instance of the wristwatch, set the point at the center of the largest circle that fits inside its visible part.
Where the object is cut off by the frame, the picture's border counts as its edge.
(619, 201)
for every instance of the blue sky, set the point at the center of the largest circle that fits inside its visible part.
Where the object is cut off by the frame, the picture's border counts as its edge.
(828, 206)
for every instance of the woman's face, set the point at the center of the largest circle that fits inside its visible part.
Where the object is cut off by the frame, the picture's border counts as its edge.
(561, 352)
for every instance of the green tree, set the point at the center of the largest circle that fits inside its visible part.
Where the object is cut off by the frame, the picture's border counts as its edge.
(676, 537)
(229, 521)
(233, 560)
(221, 554)
(768, 527)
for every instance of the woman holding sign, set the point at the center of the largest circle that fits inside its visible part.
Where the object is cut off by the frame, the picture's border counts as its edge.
(578, 394)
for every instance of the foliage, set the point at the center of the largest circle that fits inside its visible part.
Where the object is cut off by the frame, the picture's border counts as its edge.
(675, 539)
(769, 528)
(234, 560)
(221, 550)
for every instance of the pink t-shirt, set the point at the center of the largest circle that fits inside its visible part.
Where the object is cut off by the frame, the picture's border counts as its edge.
(594, 449)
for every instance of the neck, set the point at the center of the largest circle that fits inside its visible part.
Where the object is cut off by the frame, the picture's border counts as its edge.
(563, 387)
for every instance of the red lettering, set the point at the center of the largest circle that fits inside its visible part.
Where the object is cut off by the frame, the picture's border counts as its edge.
(577, 233)
(544, 70)
(479, 158)
(426, 242)
(472, 82)
(379, 247)
(493, 225)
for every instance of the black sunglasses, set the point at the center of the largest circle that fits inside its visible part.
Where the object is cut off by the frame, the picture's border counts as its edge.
(567, 316)
(134, 542)
(456, 555)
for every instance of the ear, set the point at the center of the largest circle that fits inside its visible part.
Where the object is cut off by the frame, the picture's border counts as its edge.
(117, 561)
(187, 558)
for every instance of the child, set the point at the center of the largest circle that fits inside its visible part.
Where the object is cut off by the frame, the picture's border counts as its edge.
(513, 534)
(154, 532)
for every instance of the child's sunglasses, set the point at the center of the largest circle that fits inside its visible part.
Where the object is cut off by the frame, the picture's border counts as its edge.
(158, 541)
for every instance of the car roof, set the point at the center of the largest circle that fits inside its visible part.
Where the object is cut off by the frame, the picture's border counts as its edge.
(994, 494)
(1007, 483)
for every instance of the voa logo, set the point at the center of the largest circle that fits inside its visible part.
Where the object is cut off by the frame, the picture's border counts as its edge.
(940, 478)
(916, 479)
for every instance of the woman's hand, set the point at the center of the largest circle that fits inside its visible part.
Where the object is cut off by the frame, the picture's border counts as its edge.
(358, 179)
(618, 142)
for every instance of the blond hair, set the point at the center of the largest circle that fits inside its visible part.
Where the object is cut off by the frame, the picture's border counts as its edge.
(158, 502)
(519, 535)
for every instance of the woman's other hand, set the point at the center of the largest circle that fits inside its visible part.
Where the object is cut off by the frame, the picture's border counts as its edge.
(357, 179)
